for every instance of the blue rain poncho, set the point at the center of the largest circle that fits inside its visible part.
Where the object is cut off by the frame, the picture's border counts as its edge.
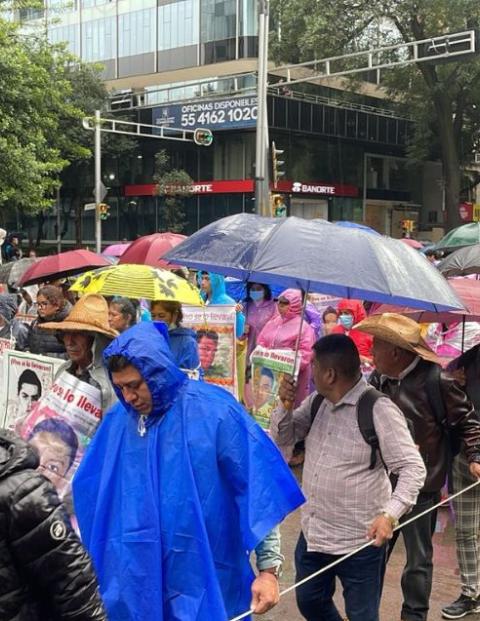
(171, 517)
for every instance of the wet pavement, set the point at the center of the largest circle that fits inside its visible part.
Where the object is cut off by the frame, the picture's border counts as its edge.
(446, 585)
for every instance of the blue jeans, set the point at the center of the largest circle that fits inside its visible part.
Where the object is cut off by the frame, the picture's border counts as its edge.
(361, 578)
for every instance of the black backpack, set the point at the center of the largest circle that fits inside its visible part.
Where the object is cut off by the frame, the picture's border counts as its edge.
(364, 418)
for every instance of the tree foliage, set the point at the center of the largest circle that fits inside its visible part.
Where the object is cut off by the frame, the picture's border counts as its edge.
(444, 99)
(174, 186)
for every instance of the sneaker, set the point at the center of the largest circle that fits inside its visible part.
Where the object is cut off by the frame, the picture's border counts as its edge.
(461, 607)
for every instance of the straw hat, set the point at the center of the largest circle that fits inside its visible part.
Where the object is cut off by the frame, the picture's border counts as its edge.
(400, 331)
(90, 314)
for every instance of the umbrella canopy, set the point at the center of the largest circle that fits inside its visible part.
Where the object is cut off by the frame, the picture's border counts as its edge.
(11, 272)
(356, 225)
(316, 255)
(462, 262)
(468, 292)
(149, 250)
(61, 266)
(465, 235)
(115, 250)
(138, 282)
(413, 243)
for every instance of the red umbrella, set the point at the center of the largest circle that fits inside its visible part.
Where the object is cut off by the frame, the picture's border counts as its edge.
(413, 243)
(61, 265)
(115, 250)
(149, 250)
(467, 290)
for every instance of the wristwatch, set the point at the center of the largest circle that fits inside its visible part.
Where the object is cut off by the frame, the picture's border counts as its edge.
(393, 520)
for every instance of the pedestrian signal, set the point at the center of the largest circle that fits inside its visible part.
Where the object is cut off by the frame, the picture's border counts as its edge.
(279, 208)
(103, 211)
(203, 137)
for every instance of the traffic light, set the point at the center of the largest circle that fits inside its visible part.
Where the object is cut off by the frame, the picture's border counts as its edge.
(103, 211)
(277, 164)
(279, 209)
(203, 137)
(408, 226)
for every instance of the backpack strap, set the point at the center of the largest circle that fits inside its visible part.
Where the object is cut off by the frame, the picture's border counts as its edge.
(316, 403)
(366, 424)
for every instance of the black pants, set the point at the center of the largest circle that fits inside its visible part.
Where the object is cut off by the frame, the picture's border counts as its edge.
(360, 576)
(418, 571)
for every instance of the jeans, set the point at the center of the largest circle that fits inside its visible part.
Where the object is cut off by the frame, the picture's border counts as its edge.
(360, 576)
(417, 574)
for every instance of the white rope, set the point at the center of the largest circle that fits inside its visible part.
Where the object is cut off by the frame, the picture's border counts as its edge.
(366, 545)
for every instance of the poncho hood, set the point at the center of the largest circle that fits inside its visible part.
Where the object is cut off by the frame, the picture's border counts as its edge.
(145, 345)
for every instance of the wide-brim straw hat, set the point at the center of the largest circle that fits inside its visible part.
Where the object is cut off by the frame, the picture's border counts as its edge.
(400, 331)
(90, 314)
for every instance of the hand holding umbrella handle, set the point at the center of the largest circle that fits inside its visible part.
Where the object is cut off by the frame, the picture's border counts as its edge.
(287, 390)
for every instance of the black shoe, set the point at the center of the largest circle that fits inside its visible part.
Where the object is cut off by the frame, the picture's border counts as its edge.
(461, 607)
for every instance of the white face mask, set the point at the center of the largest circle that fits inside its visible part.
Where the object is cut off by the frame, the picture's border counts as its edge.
(172, 326)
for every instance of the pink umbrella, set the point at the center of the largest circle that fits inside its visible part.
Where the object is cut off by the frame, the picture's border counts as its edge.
(61, 266)
(413, 243)
(149, 250)
(115, 250)
(467, 290)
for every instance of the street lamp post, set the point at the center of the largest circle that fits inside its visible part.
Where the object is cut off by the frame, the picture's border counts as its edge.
(262, 206)
(98, 182)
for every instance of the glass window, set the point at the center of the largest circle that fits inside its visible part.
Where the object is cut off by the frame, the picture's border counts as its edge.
(86, 4)
(218, 20)
(248, 18)
(98, 39)
(136, 33)
(66, 34)
(178, 24)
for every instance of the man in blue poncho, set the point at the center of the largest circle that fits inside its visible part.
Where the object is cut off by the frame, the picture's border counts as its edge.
(178, 486)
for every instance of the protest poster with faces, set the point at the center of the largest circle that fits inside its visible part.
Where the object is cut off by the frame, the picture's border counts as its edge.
(215, 329)
(26, 378)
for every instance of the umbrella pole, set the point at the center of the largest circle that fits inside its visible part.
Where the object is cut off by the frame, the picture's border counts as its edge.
(463, 334)
(302, 318)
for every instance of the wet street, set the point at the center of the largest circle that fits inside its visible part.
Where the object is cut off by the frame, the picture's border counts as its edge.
(445, 576)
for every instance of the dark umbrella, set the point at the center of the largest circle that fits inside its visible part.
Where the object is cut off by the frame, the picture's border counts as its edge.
(315, 255)
(61, 266)
(462, 262)
(11, 272)
(149, 250)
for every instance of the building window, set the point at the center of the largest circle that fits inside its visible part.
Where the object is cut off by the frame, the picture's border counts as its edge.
(98, 39)
(178, 24)
(219, 20)
(68, 35)
(136, 33)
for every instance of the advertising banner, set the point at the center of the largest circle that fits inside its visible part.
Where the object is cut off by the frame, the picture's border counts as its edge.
(225, 113)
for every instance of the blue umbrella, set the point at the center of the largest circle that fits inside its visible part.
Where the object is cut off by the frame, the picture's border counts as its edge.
(317, 256)
(354, 225)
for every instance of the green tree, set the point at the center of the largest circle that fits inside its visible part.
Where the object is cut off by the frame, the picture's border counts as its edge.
(174, 186)
(444, 99)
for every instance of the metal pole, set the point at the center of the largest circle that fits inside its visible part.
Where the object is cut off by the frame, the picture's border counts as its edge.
(98, 182)
(261, 147)
(59, 223)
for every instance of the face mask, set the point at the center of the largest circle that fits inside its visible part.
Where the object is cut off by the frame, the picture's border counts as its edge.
(171, 326)
(346, 321)
(257, 295)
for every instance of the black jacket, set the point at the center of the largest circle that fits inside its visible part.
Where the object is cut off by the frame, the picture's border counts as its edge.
(45, 573)
(411, 396)
(44, 341)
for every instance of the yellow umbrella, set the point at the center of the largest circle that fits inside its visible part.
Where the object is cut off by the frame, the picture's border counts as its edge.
(138, 282)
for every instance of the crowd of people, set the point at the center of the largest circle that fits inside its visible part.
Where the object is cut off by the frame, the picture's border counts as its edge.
(179, 484)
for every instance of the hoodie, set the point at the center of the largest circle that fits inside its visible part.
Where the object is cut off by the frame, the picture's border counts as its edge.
(363, 341)
(183, 343)
(219, 296)
(171, 504)
(12, 328)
